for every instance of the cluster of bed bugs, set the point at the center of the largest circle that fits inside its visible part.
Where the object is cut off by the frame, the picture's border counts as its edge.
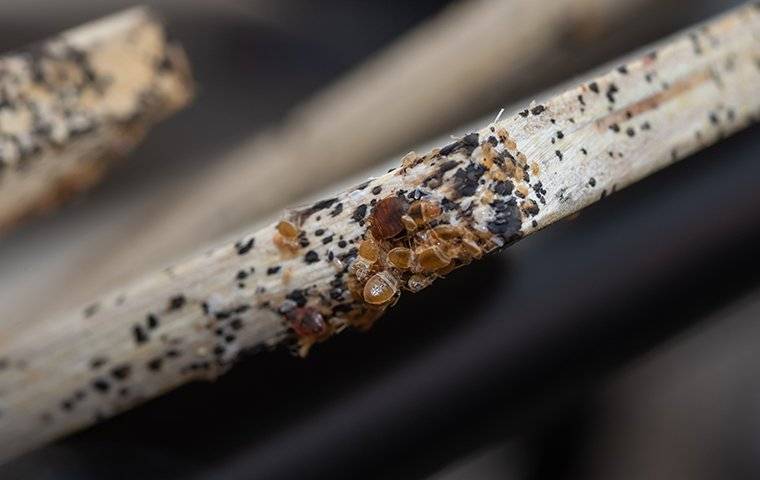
(407, 247)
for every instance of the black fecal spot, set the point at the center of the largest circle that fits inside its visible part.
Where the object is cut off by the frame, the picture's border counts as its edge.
(140, 335)
(524, 113)
(342, 244)
(155, 364)
(311, 257)
(560, 135)
(101, 385)
(319, 232)
(327, 240)
(121, 372)
(594, 87)
(592, 181)
(303, 242)
(241, 275)
(448, 205)
(646, 126)
(359, 213)
(362, 185)
(503, 188)
(558, 154)
(630, 132)
(323, 204)
(95, 363)
(90, 310)
(177, 302)
(468, 143)
(584, 151)
(438, 175)
(507, 220)
(615, 127)
(151, 321)
(244, 247)
(416, 194)
(298, 296)
(337, 210)
(623, 69)
(581, 100)
(273, 270)
(493, 141)
(376, 190)
(537, 110)
(611, 91)
(466, 180)
(714, 119)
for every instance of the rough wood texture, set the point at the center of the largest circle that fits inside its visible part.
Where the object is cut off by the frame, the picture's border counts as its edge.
(342, 261)
(72, 103)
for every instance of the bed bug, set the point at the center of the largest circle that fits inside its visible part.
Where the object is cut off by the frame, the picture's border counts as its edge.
(432, 258)
(369, 251)
(418, 282)
(409, 224)
(447, 232)
(385, 220)
(307, 322)
(380, 288)
(368, 254)
(471, 248)
(400, 257)
(423, 211)
(286, 237)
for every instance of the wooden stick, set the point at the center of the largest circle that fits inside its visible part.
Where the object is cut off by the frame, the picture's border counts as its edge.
(73, 103)
(342, 261)
(396, 97)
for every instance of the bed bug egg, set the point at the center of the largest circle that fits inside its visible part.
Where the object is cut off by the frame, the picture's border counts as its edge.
(432, 258)
(380, 288)
(400, 257)
(385, 220)
(307, 322)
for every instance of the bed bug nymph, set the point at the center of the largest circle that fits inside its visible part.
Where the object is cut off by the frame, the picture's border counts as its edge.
(309, 325)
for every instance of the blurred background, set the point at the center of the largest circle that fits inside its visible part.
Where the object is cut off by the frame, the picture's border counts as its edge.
(638, 360)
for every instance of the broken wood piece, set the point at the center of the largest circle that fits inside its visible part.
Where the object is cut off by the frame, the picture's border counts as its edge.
(343, 260)
(70, 105)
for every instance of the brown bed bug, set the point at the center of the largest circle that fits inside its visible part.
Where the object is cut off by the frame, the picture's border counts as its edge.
(385, 220)
(380, 288)
(400, 257)
(418, 282)
(307, 322)
(423, 211)
(432, 258)
(286, 237)
(309, 325)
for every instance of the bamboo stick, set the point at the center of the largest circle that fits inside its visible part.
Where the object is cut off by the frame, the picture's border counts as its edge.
(69, 106)
(342, 261)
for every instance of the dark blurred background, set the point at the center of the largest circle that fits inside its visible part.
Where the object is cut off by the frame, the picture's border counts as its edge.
(622, 344)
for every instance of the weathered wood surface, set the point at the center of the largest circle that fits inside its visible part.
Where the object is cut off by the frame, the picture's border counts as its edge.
(342, 261)
(72, 104)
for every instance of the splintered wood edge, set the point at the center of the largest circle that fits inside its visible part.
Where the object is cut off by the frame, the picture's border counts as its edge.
(71, 104)
(342, 261)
